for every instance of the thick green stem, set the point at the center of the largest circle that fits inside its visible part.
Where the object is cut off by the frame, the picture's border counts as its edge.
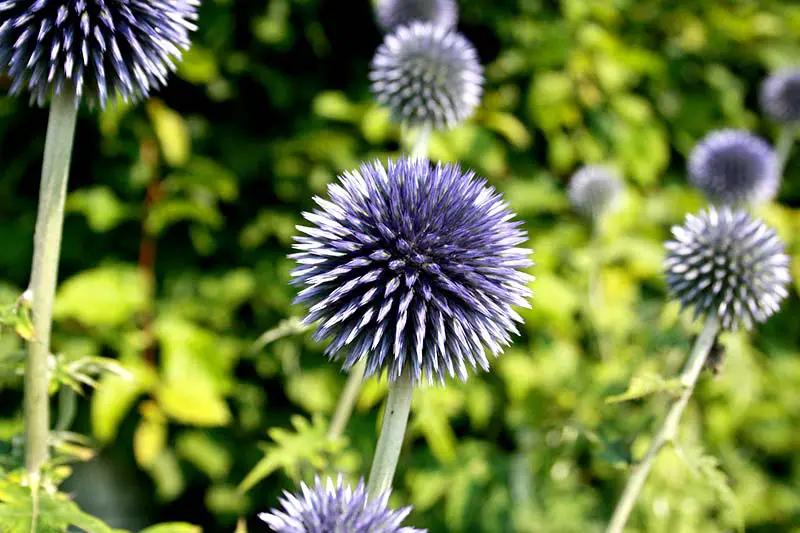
(46, 251)
(783, 146)
(420, 147)
(347, 401)
(393, 430)
(595, 286)
(667, 433)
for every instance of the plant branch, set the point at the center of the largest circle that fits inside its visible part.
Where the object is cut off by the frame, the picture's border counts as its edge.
(667, 433)
(44, 275)
(390, 441)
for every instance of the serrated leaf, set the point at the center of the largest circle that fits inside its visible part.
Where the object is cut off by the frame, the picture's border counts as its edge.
(56, 512)
(645, 384)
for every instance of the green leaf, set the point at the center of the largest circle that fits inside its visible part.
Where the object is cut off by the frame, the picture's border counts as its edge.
(171, 131)
(101, 207)
(57, 512)
(173, 527)
(306, 445)
(106, 296)
(113, 398)
(644, 384)
(198, 65)
(150, 436)
(205, 453)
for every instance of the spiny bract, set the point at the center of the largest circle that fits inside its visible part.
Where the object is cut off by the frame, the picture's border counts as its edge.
(725, 262)
(734, 167)
(414, 268)
(427, 75)
(394, 13)
(96, 48)
(594, 190)
(780, 95)
(336, 508)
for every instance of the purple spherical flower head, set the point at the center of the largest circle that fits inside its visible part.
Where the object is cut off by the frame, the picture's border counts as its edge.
(734, 167)
(427, 75)
(594, 190)
(96, 48)
(780, 95)
(329, 508)
(394, 13)
(413, 268)
(726, 262)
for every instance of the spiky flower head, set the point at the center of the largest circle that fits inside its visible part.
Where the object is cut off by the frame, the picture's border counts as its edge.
(780, 95)
(427, 74)
(329, 508)
(413, 268)
(595, 190)
(394, 13)
(724, 262)
(95, 48)
(734, 167)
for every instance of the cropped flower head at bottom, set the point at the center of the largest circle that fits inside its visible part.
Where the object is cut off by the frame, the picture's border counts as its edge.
(329, 508)
(413, 268)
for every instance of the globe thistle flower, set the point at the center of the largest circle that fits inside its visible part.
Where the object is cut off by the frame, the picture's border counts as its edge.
(726, 262)
(594, 190)
(329, 508)
(394, 13)
(427, 74)
(414, 268)
(780, 95)
(96, 48)
(734, 167)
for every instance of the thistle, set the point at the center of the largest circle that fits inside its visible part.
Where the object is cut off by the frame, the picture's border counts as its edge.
(734, 167)
(92, 48)
(63, 52)
(414, 268)
(726, 263)
(393, 13)
(329, 508)
(427, 75)
(780, 96)
(594, 190)
(732, 269)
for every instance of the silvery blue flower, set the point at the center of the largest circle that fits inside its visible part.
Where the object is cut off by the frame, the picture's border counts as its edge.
(96, 48)
(414, 268)
(734, 167)
(726, 262)
(394, 13)
(329, 508)
(427, 74)
(595, 190)
(780, 95)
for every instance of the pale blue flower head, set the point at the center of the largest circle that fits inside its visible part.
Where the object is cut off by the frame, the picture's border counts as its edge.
(96, 49)
(780, 95)
(414, 268)
(336, 508)
(394, 13)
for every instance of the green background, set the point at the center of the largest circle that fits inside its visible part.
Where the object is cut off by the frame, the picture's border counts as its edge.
(181, 215)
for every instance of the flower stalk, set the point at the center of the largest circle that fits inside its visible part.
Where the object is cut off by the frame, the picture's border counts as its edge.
(669, 429)
(44, 274)
(347, 401)
(390, 441)
(784, 144)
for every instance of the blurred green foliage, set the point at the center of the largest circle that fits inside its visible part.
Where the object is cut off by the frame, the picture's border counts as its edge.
(182, 212)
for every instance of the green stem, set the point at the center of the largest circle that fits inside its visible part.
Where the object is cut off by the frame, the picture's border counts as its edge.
(668, 432)
(595, 286)
(347, 401)
(387, 452)
(783, 146)
(44, 273)
(420, 147)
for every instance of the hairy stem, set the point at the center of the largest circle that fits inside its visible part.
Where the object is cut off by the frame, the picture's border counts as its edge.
(44, 273)
(393, 430)
(347, 401)
(668, 431)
